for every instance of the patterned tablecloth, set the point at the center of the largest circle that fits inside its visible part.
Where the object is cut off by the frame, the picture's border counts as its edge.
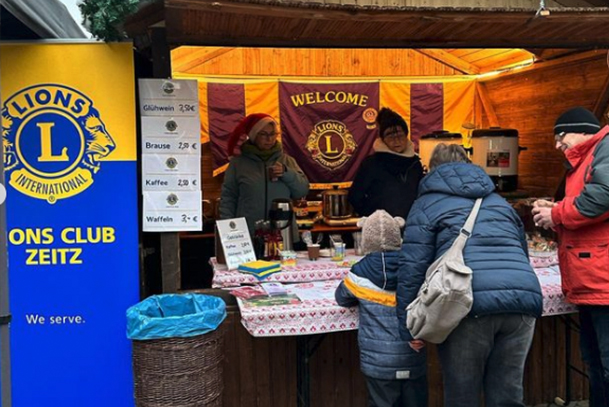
(322, 269)
(304, 271)
(318, 312)
(553, 299)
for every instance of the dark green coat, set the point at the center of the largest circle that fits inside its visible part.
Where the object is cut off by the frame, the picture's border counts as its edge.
(248, 192)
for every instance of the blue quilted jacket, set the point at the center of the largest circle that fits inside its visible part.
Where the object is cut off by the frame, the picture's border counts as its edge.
(503, 280)
(371, 284)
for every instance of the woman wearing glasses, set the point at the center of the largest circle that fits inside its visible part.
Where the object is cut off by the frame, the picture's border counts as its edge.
(389, 178)
(259, 172)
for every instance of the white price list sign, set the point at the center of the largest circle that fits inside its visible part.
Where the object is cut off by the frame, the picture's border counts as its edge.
(176, 164)
(172, 211)
(168, 89)
(164, 146)
(171, 155)
(165, 108)
(171, 127)
(171, 182)
(236, 242)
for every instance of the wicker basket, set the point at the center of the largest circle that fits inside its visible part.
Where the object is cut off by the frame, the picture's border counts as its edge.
(184, 372)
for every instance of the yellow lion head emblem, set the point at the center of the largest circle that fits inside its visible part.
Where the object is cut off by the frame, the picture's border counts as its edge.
(99, 141)
(10, 158)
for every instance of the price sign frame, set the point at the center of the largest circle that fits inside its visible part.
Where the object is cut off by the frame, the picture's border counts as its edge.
(235, 242)
(171, 155)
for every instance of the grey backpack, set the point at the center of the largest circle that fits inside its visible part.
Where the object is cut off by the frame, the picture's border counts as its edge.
(446, 296)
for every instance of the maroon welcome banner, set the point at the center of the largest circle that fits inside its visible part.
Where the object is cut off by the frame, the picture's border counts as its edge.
(426, 110)
(328, 128)
(226, 107)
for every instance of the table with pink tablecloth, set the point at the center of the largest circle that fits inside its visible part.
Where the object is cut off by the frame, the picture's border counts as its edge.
(305, 270)
(554, 302)
(322, 269)
(318, 312)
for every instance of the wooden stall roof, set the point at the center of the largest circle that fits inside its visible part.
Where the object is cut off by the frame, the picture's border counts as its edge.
(357, 23)
(240, 61)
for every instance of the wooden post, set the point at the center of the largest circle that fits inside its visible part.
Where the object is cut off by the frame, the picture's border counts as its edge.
(170, 241)
(161, 55)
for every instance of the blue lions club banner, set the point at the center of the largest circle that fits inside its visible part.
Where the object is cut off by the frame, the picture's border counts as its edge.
(68, 121)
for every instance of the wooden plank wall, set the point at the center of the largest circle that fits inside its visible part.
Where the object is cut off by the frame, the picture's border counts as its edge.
(531, 101)
(308, 62)
(261, 372)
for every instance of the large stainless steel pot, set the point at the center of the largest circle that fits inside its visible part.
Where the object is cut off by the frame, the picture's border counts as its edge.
(428, 142)
(336, 204)
(496, 150)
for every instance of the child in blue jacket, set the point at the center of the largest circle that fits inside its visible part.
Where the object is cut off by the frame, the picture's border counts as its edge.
(395, 370)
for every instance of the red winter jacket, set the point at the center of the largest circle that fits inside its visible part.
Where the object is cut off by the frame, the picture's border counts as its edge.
(581, 219)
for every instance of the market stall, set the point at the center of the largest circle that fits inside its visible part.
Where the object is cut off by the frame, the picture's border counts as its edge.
(510, 91)
(309, 310)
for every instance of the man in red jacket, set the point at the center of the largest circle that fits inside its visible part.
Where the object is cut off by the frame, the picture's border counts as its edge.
(581, 221)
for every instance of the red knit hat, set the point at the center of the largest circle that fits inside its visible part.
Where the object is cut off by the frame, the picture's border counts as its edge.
(249, 126)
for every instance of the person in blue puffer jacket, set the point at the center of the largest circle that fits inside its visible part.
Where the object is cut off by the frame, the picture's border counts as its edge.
(395, 370)
(487, 351)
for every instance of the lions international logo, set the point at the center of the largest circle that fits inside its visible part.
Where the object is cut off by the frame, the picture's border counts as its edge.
(172, 199)
(171, 125)
(168, 88)
(331, 144)
(53, 140)
(171, 163)
(369, 117)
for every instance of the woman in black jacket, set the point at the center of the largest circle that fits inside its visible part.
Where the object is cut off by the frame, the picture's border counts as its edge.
(389, 178)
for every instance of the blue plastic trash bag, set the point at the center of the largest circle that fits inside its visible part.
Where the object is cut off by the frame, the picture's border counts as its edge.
(174, 315)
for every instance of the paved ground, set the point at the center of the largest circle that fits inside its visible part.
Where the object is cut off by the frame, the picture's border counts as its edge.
(571, 404)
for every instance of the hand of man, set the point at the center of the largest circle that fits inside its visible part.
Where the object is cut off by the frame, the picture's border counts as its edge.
(417, 344)
(542, 216)
(543, 203)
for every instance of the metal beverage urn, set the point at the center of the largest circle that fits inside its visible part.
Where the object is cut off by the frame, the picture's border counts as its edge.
(281, 216)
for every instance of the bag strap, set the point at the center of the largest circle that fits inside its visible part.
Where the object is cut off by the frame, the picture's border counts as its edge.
(471, 219)
(466, 230)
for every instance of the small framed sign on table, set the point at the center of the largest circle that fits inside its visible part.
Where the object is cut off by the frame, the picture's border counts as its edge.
(235, 242)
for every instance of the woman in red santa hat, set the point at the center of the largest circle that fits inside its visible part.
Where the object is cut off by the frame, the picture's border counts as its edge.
(260, 173)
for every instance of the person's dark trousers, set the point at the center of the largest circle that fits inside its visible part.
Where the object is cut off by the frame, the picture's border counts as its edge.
(397, 393)
(486, 355)
(594, 345)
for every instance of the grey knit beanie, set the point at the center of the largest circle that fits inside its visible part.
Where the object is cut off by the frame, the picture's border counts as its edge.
(381, 232)
(577, 120)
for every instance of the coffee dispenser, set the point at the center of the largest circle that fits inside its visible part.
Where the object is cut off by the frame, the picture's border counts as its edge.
(428, 143)
(281, 216)
(496, 151)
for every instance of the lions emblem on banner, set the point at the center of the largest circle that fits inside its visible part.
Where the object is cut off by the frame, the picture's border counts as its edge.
(331, 144)
(53, 140)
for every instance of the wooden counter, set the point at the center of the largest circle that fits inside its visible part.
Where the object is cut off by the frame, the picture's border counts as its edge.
(260, 372)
